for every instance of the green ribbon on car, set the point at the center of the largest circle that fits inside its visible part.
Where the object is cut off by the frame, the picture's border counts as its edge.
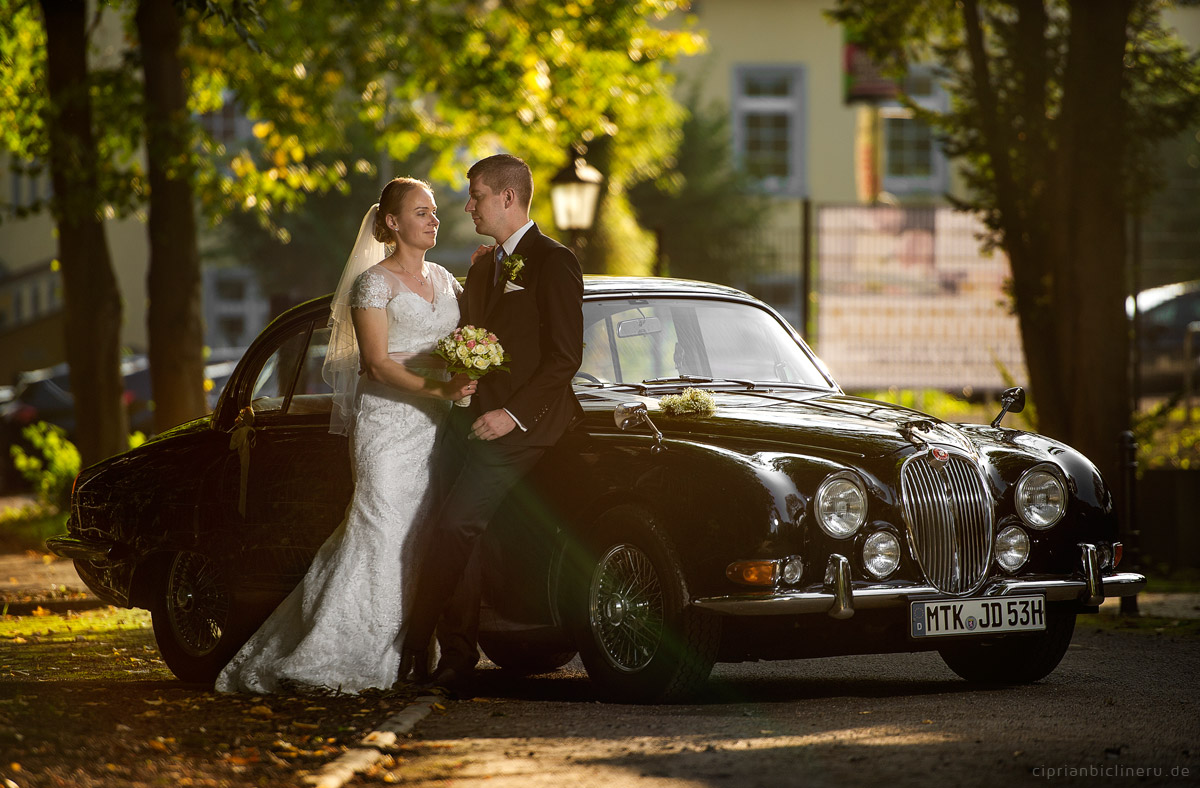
(242, 439)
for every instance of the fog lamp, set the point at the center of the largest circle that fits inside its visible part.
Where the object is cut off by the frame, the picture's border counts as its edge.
(1105, 554)
(1012, 548)
(881, 553)
(793, 567)
(753, 573)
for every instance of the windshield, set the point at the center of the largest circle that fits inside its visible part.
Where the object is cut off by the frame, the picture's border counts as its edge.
(639, 339)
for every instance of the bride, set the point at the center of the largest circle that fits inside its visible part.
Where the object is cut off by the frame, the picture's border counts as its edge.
(340, 628)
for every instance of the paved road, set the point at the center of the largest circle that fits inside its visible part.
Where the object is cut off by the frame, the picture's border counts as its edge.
(1122, 709)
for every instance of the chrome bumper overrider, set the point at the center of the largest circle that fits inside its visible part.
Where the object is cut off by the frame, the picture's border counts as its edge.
(85, 550)
(839, 597)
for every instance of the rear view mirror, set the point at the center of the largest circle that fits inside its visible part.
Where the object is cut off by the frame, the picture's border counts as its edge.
(639, 326)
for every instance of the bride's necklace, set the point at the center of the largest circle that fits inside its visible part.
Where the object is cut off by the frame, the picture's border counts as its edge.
(418, 277)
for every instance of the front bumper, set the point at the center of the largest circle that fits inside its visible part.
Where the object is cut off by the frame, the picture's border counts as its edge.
(839, 597)
(97, 552)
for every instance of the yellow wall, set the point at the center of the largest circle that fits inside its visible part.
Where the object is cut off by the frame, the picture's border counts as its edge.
(767, 32)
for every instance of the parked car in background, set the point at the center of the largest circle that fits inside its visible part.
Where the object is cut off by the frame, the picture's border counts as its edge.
(1165, 314)
(788, 521)
(45, 394)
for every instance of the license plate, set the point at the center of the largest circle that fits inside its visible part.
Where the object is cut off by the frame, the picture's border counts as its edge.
(978, 616)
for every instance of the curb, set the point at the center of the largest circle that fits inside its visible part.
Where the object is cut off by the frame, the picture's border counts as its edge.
(371, 748)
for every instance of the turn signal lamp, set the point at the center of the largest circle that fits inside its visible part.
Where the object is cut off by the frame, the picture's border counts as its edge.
(753, 573)
(1118, 551)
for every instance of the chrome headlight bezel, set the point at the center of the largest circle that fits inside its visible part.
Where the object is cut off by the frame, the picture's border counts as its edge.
(840, 505)
(883, 544)
(1041, 480)
(1012, 540)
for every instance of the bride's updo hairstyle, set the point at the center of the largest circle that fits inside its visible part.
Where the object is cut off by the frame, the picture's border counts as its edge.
(389, 203)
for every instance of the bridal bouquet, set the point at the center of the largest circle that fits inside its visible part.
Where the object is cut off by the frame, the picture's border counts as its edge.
(473, 351)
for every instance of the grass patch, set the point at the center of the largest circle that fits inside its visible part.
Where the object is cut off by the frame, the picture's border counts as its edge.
(948, 407)
(28, 527)
(106, 643)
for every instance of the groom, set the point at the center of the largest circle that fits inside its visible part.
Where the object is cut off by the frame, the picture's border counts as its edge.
(534, 305)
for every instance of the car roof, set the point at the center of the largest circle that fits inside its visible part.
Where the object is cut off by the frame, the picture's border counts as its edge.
(1153, 296)
(622, 286)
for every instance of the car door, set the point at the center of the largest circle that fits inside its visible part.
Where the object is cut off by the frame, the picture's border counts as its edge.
(286, 479)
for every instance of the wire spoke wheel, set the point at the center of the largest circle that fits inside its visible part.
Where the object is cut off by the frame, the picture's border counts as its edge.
(197, 603)
(625, 608)
(630, 616)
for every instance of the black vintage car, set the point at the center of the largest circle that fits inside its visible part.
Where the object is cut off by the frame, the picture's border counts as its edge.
(792, 521)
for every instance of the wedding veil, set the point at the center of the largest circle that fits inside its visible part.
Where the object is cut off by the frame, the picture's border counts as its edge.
(340, 370)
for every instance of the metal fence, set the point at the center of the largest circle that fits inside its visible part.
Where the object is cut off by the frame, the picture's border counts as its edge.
(905, 298)
(896, 297)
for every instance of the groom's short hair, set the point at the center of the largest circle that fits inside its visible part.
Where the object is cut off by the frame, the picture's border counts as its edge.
(505, 171)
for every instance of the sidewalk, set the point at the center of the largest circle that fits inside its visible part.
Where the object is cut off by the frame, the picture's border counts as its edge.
(30, 577)
(31, 580)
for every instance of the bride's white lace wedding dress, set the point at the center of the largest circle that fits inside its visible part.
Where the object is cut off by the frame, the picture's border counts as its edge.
(340, 627)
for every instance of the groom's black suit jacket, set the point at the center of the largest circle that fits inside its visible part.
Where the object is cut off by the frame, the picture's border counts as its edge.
(540, 326)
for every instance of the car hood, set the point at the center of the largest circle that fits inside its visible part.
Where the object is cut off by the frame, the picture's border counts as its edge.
(835, 424)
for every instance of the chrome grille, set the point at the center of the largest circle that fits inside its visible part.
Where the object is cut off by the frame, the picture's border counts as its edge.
(949, 515)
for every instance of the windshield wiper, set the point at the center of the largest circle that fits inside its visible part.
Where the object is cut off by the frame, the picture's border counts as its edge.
(752, 385)
(641, 388)
(680, 379)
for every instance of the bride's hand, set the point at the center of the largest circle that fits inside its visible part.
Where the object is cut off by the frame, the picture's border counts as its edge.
(459, 386)
(482, 253)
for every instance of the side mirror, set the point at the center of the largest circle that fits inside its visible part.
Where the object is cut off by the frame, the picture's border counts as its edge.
(628, 415)
(1013, 400)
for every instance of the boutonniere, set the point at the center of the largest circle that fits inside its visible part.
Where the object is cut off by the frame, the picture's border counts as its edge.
(513, 265)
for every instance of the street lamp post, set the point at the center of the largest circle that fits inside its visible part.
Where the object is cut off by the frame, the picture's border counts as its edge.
(574, 193)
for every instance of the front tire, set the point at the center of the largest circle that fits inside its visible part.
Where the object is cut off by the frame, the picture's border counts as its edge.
(638, 636)
(1021, 659)
(194, 617)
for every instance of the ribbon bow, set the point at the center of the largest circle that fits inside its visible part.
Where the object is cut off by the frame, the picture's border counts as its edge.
(242, 439)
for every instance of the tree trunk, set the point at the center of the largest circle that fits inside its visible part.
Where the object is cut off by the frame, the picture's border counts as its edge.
(92, 301)
(174, 317)
(1086, 249)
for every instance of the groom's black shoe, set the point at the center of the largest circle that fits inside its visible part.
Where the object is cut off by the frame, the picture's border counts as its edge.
(457, 684)
(414, 666)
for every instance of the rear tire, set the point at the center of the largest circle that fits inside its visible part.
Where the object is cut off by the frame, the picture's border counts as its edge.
(1019, 659)
(638, 636)
(195, 617)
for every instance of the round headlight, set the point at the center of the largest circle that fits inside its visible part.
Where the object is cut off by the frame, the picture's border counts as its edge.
(1012, 548)
(881, 553)
(841, 506)
(1041, 498)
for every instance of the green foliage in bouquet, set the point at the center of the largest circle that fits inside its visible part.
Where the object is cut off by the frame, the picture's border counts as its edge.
(691, 402)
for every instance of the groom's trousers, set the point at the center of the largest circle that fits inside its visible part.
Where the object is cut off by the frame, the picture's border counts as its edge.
(449, 583)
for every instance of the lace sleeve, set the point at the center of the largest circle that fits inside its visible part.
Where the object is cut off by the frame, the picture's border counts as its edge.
(371, 290)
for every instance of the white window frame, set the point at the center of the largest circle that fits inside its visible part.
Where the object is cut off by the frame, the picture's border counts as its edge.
(796, 184)
(937, 181)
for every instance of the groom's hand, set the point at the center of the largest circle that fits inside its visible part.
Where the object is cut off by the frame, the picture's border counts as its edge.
(493, 424)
